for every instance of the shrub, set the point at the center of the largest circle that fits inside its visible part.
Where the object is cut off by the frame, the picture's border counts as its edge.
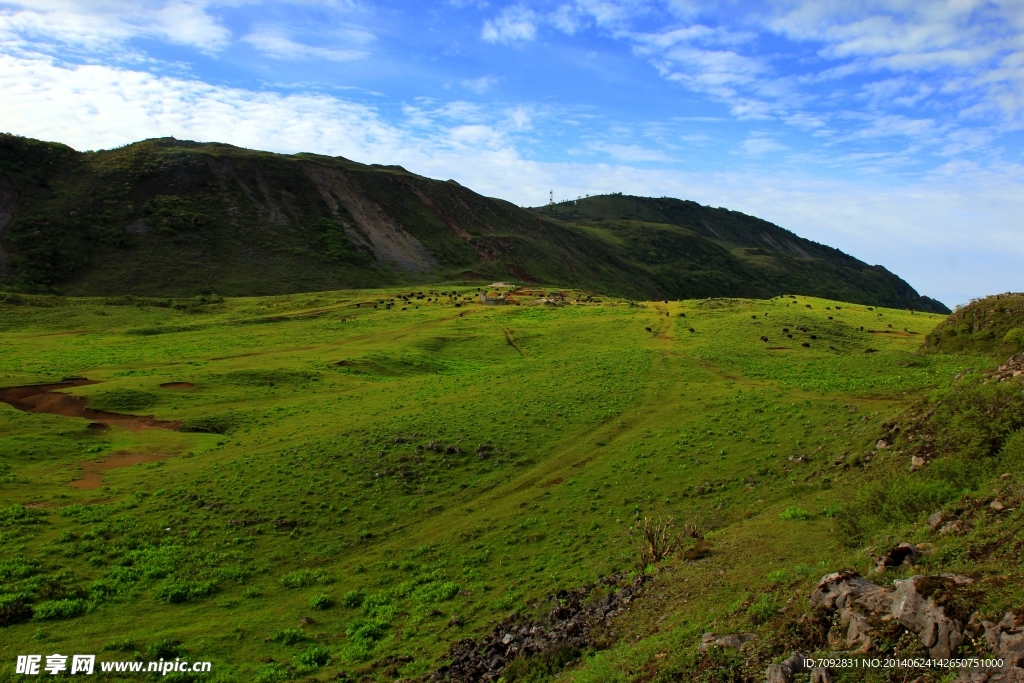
(367, 630)
(314, 656)
(59, 609)
(271, 673)
(762, 609)
(321, 601)
(795, 513)
(185, 591)
(123, 645)
(165, 648)
(353, 598)
(13, 611)
(288, 636)
(300, 578)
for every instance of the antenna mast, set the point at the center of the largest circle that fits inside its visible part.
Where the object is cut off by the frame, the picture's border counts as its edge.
(551, 197)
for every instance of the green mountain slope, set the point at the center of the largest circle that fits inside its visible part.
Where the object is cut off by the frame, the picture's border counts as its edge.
(171, 218)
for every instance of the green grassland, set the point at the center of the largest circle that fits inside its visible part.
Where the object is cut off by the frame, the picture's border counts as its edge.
(407, 476)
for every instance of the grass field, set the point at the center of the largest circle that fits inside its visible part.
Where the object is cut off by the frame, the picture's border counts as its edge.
(408, 476)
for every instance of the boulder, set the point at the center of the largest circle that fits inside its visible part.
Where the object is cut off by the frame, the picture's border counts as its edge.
(783, 672)
(1006, 639)
(731, 640)
(917, 603)
(904, 553)
(822, 675)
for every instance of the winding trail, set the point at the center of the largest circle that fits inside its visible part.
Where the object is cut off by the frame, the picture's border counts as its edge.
(44, 398)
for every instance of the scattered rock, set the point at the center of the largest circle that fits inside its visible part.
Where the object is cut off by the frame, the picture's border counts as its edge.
(955, 527)
(1006, 476)
(306, 621)
(904, 553)
(916, 462)
(568, 625)
(784, 671)
(997, 505)
(882, 444)
(936, 520)
(731, 640)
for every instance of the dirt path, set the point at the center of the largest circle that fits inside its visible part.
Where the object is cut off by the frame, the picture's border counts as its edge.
(93, 471)
(43, 398)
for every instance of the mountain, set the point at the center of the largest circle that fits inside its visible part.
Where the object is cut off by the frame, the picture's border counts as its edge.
(167, 217)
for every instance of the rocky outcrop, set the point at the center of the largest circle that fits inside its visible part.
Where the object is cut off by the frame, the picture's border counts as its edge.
(569, 623)
(731, 640)
(1013, 367)
(920, 604)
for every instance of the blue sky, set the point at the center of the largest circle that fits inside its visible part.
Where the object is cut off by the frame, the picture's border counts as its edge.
(890, 129)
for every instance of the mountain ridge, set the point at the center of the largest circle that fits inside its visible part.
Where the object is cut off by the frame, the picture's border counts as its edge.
(166, 217)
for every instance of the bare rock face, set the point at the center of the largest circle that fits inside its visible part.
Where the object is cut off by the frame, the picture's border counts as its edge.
(918, 604)
(783, 672)
(1006, 639)
(861, 605)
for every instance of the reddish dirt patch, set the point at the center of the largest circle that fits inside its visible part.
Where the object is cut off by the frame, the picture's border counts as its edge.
(43, 398)
(93, 471)
(177, 385)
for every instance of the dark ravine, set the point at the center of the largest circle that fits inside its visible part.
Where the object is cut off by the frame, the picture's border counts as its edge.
(168, 217)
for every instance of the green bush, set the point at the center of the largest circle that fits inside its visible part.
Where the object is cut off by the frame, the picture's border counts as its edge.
(762, 609)
(122, 645)
(13, 611)
(288, 636)
(60, 609)
(353, 598)
(367, 630)
(314, 656)
(321, 601)
(271, 673)
(185, 591)
(165, 648)
(795, 513)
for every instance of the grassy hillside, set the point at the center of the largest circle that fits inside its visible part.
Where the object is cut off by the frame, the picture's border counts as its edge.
(363, 478)
(176, 218)
(992, 325)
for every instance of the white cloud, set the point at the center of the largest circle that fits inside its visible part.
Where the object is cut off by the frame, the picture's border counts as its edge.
(274, 42)
(108, 25)
(479, 85)
(758, 145)
(515, 24)
(629, 153)
(908, 228)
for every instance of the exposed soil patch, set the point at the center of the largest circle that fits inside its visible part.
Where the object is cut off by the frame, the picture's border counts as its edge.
(93, 471)
(177, 385)
(43, 398)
